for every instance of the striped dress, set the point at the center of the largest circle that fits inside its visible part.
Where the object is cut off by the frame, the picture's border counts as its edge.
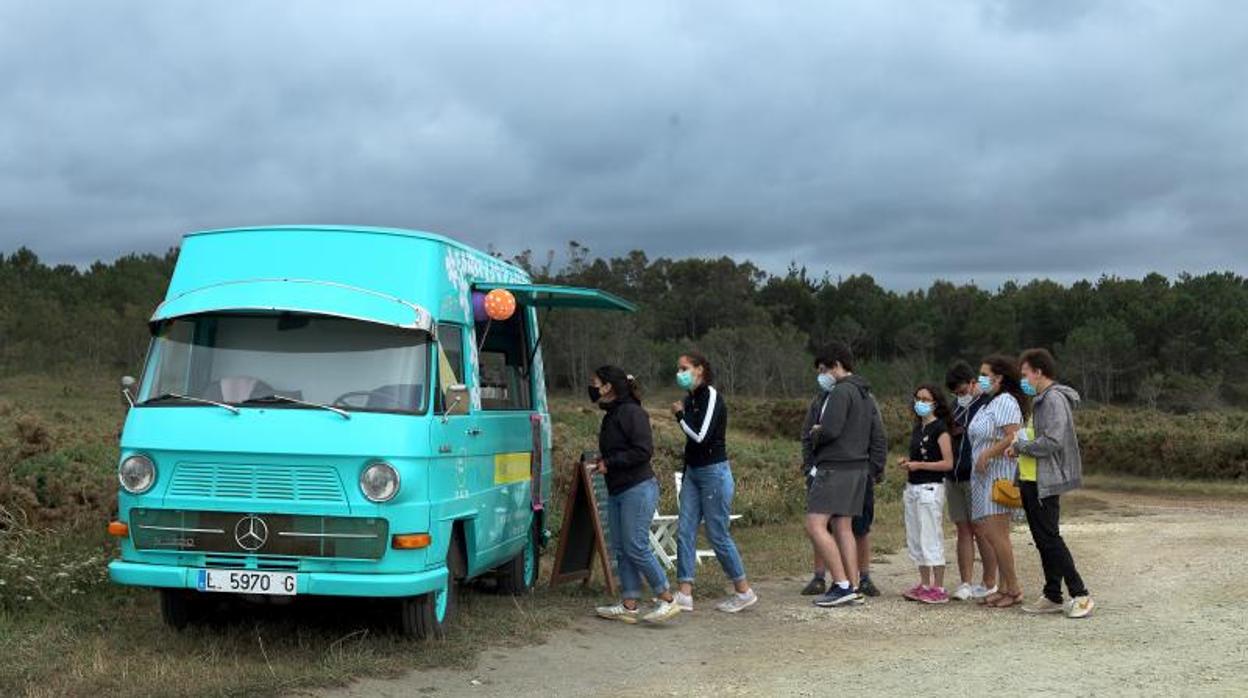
(986, 429)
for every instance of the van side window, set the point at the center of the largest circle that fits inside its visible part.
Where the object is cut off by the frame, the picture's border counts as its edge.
(450, 361)
(503, 364)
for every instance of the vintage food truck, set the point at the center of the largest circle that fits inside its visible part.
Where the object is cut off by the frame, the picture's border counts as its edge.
(338, 411)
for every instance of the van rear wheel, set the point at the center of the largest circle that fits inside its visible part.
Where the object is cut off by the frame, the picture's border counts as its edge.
(180, 608)
(518, 576)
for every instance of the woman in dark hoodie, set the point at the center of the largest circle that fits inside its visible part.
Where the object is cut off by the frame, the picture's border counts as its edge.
(625, 446)
(1058, 469)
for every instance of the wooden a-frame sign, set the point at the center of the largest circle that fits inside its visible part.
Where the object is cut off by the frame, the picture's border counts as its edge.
(584, 533)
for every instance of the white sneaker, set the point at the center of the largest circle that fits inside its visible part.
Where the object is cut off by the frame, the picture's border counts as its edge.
(618, 612)
(665, 611)
(979, 591)
(964, 592)
(1080, 607)
(738, 602)
(685, 601)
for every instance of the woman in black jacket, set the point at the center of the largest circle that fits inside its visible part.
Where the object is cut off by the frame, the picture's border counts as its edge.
(707, 484)
(625, 446)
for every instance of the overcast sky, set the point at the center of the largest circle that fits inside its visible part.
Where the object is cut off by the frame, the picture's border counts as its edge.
(911, 140)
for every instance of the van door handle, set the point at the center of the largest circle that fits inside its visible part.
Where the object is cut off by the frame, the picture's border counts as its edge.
(473, 431)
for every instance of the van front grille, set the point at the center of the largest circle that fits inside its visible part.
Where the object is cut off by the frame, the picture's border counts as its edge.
(273, 539)
(298, 483)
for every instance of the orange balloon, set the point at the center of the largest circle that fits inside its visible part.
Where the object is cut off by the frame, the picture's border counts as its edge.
(500, 304)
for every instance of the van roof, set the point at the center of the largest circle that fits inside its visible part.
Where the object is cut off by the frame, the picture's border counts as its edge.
(360, 229)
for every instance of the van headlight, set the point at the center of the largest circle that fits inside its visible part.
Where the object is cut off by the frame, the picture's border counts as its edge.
(379, 481)
(137, 474)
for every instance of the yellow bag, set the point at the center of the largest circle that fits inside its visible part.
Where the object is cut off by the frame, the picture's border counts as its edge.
(1006, 493)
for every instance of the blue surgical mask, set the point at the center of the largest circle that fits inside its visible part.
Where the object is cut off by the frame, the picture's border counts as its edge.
(684, 379)
(1028, 389)
(826, 382)
(985, 384)
(922, 409)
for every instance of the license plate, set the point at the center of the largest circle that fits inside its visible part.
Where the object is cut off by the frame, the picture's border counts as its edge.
(248, 582)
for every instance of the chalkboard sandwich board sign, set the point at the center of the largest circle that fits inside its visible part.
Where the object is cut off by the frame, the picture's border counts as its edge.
(586, 530)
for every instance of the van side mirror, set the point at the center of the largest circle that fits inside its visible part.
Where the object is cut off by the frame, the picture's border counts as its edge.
(127, 383)
(456, 400)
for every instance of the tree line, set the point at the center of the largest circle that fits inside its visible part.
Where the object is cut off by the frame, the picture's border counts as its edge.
(1179, 344)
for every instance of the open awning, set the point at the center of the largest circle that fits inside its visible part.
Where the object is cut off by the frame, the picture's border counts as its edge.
(296, 296)
(547, 296)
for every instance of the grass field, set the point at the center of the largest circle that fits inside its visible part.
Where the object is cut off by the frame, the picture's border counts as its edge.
(65, 630)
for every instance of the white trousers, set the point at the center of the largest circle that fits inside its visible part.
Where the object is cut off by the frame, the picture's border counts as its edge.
(925, 535)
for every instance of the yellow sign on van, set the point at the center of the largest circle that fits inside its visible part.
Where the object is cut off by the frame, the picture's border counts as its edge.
(511, 467)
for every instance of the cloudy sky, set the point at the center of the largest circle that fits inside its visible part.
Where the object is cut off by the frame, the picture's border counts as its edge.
(960, 139)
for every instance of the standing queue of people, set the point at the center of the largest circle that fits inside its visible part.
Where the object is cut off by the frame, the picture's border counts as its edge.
(1008, 440)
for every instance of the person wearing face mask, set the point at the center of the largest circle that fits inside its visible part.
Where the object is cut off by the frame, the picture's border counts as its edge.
(860, 524)
(847, 448)
(991, 434)
(1057, 468)
(706, 486)
(963, 382)
(930, 458)
(625, 447)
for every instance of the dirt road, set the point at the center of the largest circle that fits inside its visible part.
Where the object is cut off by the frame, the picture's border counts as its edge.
(1172, 618)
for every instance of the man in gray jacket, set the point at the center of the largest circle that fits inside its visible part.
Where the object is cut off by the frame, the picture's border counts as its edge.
(878, 456)
(844, 444)
(1059, 469)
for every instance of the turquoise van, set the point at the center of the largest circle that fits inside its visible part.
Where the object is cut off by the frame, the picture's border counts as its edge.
(332, 411)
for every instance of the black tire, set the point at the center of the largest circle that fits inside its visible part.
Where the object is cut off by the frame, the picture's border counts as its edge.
(180, 608)
(429, 616)
(518, 575)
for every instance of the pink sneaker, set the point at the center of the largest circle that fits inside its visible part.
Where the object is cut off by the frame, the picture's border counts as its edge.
(915, 593)
(935, 595)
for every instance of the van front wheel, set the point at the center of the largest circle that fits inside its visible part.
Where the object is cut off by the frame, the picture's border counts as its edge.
(428, 616)
(180, 608)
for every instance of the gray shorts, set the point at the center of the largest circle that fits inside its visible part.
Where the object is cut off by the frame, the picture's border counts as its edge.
(837, 492)
(958, 497)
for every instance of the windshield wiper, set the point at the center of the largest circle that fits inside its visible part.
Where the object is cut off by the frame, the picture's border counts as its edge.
(188, 398)
(295, 401)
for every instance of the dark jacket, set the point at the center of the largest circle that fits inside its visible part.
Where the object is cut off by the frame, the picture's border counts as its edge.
(704, 419)
(963, 461)
(851, 432)
(626, 444)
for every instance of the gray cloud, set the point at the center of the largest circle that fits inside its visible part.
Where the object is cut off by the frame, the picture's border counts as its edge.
(967, 140)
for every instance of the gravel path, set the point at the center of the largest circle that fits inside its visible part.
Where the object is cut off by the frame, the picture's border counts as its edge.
(1172, 618)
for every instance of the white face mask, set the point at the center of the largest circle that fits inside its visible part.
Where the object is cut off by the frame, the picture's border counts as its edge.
(826, 382)
(966, 400)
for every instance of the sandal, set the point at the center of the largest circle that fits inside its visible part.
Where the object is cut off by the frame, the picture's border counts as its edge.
(991, 599)
(1007, 600)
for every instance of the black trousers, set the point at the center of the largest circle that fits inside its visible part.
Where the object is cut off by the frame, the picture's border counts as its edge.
(1042, 519)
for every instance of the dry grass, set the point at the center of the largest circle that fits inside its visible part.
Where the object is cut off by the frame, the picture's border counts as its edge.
(64, 630)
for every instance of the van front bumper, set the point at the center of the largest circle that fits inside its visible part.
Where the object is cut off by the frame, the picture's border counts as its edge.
(312, 583)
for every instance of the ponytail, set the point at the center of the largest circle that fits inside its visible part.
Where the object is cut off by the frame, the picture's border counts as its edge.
(622, 383)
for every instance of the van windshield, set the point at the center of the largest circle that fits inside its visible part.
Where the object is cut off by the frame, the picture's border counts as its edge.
(262, 359)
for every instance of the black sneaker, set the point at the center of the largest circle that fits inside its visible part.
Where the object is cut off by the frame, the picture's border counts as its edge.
(867, 588)
(837, 596)
(815, 587)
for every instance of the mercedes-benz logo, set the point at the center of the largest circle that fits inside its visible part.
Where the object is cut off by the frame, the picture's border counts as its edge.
(251, 532)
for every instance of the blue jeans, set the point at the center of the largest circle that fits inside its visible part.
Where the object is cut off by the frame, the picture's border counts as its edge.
(706, 494)
(630, 513)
